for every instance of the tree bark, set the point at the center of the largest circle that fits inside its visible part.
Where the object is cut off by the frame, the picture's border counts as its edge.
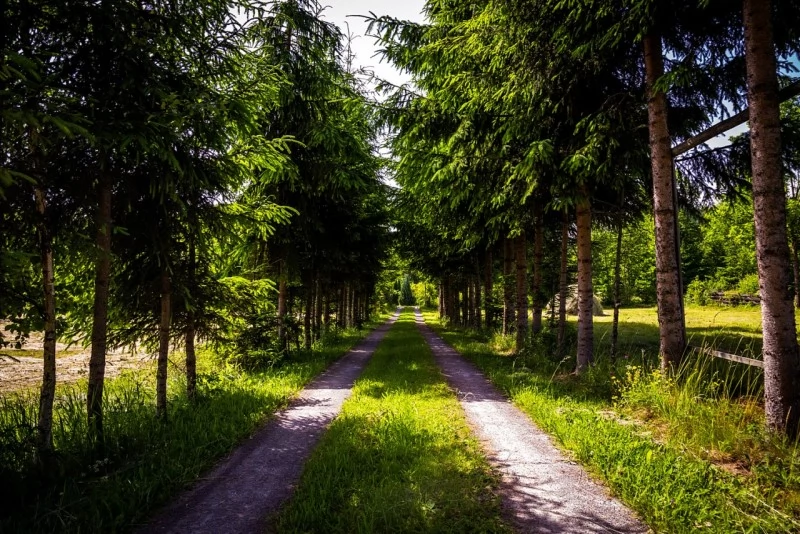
(617, 296)
(488, 299)
(585, 293)
(282, 305)
(563, 284)
(477, 291)
(48, 390)
(191, 356)
(308, 316)
(102, 280)
(672, 332)
(508, 287)
(163, 344)
(464, 303)
(521, 261)
(317, 307)
(536, 289)
(796, 272)
(441, 299)
(781, 358)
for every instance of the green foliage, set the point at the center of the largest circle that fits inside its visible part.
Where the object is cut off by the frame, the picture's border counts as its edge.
(698, 292)
(406, 295)
(400, 456)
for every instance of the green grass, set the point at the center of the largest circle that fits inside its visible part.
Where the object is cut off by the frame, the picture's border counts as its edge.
(731, 329)
(655, 441)
(146, 462)
(399, 458)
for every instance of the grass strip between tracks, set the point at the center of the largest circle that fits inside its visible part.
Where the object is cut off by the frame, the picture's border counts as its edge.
(400, 457)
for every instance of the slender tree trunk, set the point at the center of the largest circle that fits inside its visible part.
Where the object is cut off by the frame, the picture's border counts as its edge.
(464, 303)
(563, 284)
(456, 303)
(781, 358)
(48, 390)
(488, 299)
(521, 261)
(308, 316)
(326, 321)
(617, 296)
(318, 304)
(508, 287)
(282, 305)
(796, 272)
(341, 312)
(469, 300)
(441, 299)
(672, 332)
(585, 296)
(536, 290)
(163, 344)
(102, 279)
(477, 291)
(191, 356)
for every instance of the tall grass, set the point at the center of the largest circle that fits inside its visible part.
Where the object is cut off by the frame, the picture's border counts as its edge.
(687, 452)
(400, 457)
(145, 461)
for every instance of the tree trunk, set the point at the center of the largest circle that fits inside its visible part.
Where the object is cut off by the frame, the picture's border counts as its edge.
(536, 289)
(508, 287)
(282, 305)
(617, 296)
(317, 308)
(781, 358)
(326, 321)
(477, 291)
(672, 332)
(563, 284)
(464, 303)
(48, 390)
(163, 344)
(102, 279)
(796, 272)
(521, 261)
(469, 298)
(308, 316)
(488, 299)
(191, 356)
(441, 299)
(585, 297)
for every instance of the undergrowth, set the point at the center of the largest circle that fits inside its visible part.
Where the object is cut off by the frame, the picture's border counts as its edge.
(145, 461)
(687, 453)
(400, 456)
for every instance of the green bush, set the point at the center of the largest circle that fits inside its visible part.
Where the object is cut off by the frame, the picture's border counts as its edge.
(748, 285)
(698, 292)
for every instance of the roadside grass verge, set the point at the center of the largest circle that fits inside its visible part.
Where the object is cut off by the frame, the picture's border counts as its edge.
(657, 443)
(145, 462)
(400, 457)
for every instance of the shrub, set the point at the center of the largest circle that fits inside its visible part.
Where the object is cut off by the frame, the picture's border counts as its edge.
(748, 285)
(698, 292)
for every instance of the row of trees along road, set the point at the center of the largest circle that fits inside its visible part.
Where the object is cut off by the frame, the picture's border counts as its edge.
(162, 164)
(530, 121)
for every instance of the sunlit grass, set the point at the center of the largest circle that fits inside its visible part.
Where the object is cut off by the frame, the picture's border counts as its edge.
(145, 462)
(687, 454)
(400, 457)
(734, 329)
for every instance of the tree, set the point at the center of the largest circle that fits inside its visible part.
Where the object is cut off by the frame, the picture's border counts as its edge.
(781, 357)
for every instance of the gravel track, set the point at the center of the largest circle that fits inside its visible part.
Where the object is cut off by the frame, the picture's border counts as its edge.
(244, 489)
(542, 490)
